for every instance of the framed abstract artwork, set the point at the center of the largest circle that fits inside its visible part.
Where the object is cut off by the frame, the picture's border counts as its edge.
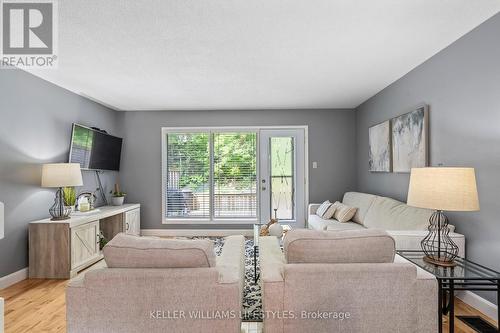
(410, 140)
(379, 147)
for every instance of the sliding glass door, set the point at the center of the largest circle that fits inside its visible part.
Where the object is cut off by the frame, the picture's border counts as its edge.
(235, 175)
(211, 175)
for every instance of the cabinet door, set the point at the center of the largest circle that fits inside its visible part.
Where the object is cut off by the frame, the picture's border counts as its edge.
(84, 243)
(133, 222)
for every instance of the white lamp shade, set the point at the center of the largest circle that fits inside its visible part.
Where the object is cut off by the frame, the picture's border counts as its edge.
(61, 175)
(448, 189)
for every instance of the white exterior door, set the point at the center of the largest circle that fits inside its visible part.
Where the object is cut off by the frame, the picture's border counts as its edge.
(282, 177)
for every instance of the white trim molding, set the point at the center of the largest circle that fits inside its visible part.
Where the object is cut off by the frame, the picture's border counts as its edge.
(195, 232)
(479, 303)
(13, 278)
(1, 315)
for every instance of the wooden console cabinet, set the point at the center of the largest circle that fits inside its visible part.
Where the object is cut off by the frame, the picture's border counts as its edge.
(60, 249)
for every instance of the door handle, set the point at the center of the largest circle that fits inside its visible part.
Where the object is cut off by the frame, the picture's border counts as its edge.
(127, 226)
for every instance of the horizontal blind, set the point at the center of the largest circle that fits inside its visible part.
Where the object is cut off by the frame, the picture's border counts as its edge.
(188, 175)
(235, 175)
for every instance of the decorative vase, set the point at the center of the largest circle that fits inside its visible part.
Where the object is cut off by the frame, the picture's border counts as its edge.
(276, 229)
(117, 201)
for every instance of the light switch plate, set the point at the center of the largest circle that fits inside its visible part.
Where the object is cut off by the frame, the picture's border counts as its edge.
(315, 165)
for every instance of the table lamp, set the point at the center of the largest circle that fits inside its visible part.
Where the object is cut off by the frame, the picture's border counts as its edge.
(442, 189)
(59, 175)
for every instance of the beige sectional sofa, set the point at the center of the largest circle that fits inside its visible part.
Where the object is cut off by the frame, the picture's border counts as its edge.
(346, 281)
(160, 285)
(406, 224)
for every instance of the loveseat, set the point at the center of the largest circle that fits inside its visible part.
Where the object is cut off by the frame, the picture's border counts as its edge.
(347, 281)
(407, 225)
(160, 285)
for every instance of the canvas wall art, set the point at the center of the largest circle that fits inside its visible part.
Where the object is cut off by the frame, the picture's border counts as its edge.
(409, 140)
(379, 142)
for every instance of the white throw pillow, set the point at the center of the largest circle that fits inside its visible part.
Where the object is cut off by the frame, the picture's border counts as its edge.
(323, 208)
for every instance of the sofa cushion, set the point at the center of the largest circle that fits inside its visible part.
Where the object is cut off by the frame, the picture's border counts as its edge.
(317, 223)
(350, 246)
(362, 201)
(336, 225)
(389, 214)
(127, 251)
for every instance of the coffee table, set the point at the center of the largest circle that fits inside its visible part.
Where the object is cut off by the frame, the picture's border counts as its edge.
(466, 275)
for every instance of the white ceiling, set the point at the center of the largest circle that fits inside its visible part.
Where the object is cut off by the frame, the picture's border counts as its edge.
(250, 54)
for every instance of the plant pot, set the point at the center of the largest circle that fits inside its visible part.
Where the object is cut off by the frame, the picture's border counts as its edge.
(70, 208)
(117, 201)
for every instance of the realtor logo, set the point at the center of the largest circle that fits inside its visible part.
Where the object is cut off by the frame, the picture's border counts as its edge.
(28, 34)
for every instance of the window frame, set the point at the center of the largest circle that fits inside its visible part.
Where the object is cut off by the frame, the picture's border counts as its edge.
(164, 167)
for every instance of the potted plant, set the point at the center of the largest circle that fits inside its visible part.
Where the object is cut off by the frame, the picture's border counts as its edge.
(102, 241)
(118, 197)
(69, 197)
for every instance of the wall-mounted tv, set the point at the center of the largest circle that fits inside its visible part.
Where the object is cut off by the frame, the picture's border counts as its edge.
(94, 149)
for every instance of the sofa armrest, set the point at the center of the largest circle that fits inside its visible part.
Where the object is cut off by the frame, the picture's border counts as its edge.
(410, 240)
(271, 259)
(312, 208)
(427, 290)
(230, 264)
(272, 266)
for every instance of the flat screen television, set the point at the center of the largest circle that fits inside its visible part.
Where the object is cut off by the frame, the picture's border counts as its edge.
(95, 150)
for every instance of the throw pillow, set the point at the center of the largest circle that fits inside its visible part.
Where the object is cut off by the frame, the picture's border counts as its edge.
(344, 213)
(323, 208)
(329, 212)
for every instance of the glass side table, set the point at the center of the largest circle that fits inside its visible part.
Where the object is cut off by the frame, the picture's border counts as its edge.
(466, 275)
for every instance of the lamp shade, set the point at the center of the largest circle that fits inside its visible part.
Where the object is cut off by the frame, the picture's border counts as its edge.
(61, 175)
(449, 189)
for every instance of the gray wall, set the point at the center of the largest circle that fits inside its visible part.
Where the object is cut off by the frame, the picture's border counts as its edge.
(331, 144)
(35, 128)
(462, 86)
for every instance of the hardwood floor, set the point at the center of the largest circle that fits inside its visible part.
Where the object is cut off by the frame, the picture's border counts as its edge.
(35, 306)
(39, 306)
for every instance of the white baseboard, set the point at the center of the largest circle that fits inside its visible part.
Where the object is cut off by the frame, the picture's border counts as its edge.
(479, 303)
(195, 232)
(1, 315)
(13, 278)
